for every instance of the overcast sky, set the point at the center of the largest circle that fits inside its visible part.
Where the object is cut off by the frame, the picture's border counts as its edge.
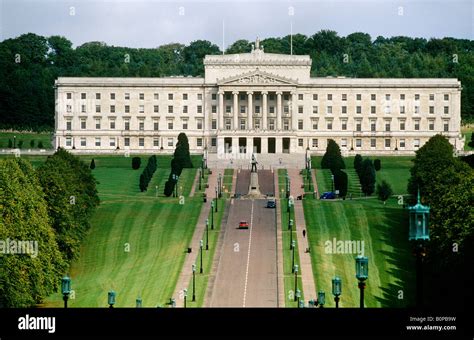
(150, 23)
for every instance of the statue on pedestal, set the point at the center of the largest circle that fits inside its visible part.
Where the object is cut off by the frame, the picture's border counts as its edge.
(254, 164)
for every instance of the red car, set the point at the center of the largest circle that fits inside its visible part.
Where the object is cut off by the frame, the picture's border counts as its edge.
(243, 225)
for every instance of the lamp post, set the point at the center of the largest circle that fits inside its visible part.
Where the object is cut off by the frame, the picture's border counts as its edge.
(207, 234)
(293, 246)
(66, 289)
(336, 289)
(200, 172)
(216, 198)
(14, 142)
(194, 282)
(291, 233)
(111, 299)
(295, 270)
(321, 298)
(332, 178)
(362, 273)
(200, 246)
(185, 292)
(298, 296)
(220, 185)
(138, 302)
(212, 215)
(418, 235)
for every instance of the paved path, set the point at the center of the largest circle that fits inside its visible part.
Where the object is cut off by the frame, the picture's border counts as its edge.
(307, 278)
(242, 182)
(279, 233)
(186, 272)
(266, 182)
(315, 183)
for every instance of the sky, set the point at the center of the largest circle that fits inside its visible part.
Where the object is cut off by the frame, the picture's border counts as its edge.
(151, 23)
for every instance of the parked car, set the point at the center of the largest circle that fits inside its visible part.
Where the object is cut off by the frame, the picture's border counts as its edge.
(328, 196)
(243, 225)
(271, 203)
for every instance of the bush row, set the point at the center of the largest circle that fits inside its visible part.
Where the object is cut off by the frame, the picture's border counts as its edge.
(147, 173)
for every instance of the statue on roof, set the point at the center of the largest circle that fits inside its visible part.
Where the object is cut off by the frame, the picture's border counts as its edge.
(257, 44)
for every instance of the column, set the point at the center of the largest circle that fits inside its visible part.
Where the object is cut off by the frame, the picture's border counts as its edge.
(250, 111)
(236, 109)
(221, 110)
(264, 110)
(279, 109)
(294, 111)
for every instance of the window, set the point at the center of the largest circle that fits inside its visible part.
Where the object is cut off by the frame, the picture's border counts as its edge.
(141, 96)
(213, 141)
(83, 96)
(112, 96)
(329, 96)
(156, 125)
(242, 109)
(112, 124)
(185, 124)
(446, 97)
(271, 124)
(402, 97)
(358, 143)
(127, 125)
(170, 96)
(344, 125)
(242, 124)
(228, 109)
(431, 125)
(402, 125)
(170, 108)
(271, 97)
(126, 141)
(127, 96)
(314, 142)
(170, 141)
(68, 125)
(97, 108)
(286, 97)
(417, 109)
(185, 96)
(227, 96)
(344, 109)
(315, 97)
(315, 124)
(97, 141)
(141, 141)
(69, 108)
(68, 141)
(97, 96)
(257, 123)
(373, 126)
(358, 126)
(69, 95)
(214, 96)
(388, 109)
(417, 125)
(112, 141)
(300, 96)
(402, 143)
(97, 124)
(329, 109)
(156, 96)
(156, 142)
(300, 109)
(300, 124)
(446, 109)
(199, 142)
(431, 97)
(242, 97)
(446, 126)
(344, 142)
(387, 126)
(358, 96)
(213, 109)
(228, 124)
(344, 97)
(417, 97)
(199, 109)
(199, 124)
(127, 108)
(141, 108)
(214, 124)
(373, 110)
(387, 143)
(185, 109)
(402, 109)
(387, 97)
(141, 125)
(112, 108)
(83, 108)
(431, 109)
(272, 109)
(199, 96)
(83, 141)
(156, 108)
(373, 97)
(416, 143)
(373, 143)
(170, 125)
(329, 124)
(286, 124)
(83, 124)
(358, 109)
(315, 109)
(300, 142)
(286, 109)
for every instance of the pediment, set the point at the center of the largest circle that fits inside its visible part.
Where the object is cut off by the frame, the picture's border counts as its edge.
(256, 78)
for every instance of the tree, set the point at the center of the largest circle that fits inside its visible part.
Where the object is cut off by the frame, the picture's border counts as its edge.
(92, 166)
(367, 179)
(341, 182)
(169, 187)
(358, 164)
(136, 162)
(377, 164)
(181, 153)
(32, 143)
(384, 191)
(332, 159)
(40, 144)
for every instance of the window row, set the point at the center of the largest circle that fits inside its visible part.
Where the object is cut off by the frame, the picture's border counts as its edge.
(170, 124)
(387, 126)
(358, 143)
(127, 142)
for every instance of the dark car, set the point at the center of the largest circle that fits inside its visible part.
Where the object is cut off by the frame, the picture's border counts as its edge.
(328, 196)
(271, 203)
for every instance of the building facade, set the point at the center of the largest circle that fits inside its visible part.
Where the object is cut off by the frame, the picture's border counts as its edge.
(256, 102)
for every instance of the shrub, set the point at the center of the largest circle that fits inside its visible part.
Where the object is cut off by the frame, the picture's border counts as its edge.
(332, 159)
(20, 144)
(92, 166)
(147, 173)
(384, 191)
(10, 144)
(367, 179)
(169, 187)
(358, 164)
(341, 182)
(136, 162)
(32, 143)
(40, 145)
(377, 164)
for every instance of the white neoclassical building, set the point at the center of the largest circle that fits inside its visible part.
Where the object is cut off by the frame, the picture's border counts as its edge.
(256, 102)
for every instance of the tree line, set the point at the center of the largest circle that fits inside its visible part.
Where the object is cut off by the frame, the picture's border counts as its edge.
(50, 205)
(30, 63)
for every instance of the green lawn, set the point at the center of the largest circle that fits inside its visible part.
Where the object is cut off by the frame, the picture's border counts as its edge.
(467, 138)
(289, 278)
(137, 241)
(26, 138)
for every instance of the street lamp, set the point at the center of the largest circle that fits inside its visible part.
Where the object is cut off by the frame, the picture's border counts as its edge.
(207, 234)
(66, 289)
(200, 246)
(14, 142)
(111, 299)
(293, 246)
(418, 235)
(301, 304)
(321, 298)
(194, 282)
(216, 198)
(295, 270)
(200, 172)
(138, 302)
(220, 185)
(291, 233)
(362, 273)
(185, 292)
(298, 296)
(336, 289)
(212, 215)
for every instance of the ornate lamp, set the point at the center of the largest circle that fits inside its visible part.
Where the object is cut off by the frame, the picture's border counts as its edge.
(336, 289)
(362, 273)
(321, 298)
(66, 289)
(111, 299)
